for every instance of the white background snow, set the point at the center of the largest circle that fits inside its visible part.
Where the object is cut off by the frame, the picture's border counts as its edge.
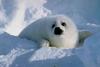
(17, 14)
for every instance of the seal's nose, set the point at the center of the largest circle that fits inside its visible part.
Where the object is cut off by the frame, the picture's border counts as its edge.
(58, 31)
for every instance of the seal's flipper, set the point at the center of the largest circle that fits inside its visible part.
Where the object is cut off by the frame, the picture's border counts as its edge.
(82, 36)
(44, 43)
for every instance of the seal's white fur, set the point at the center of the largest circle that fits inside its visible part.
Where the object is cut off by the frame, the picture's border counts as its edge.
(41, 32)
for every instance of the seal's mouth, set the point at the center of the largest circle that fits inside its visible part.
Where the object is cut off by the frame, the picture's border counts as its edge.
(58, 31)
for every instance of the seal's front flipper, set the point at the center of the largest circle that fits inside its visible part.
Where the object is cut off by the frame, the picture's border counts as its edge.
(44, 43)
(82, 36)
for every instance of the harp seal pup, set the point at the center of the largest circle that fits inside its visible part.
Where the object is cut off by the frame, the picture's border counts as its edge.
(55, 31)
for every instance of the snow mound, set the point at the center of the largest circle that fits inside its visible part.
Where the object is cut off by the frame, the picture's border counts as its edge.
(17, 52)
(47, 52)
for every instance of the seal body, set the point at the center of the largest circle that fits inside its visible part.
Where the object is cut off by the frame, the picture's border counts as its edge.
(56, 31)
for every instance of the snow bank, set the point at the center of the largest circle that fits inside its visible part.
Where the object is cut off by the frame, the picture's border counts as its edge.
(16, 52)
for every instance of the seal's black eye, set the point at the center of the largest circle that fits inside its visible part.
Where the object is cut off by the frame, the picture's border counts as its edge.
(53, 25)
(63, 24)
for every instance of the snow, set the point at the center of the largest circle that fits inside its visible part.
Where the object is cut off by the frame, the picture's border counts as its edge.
(25, 13)
(17, 52)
